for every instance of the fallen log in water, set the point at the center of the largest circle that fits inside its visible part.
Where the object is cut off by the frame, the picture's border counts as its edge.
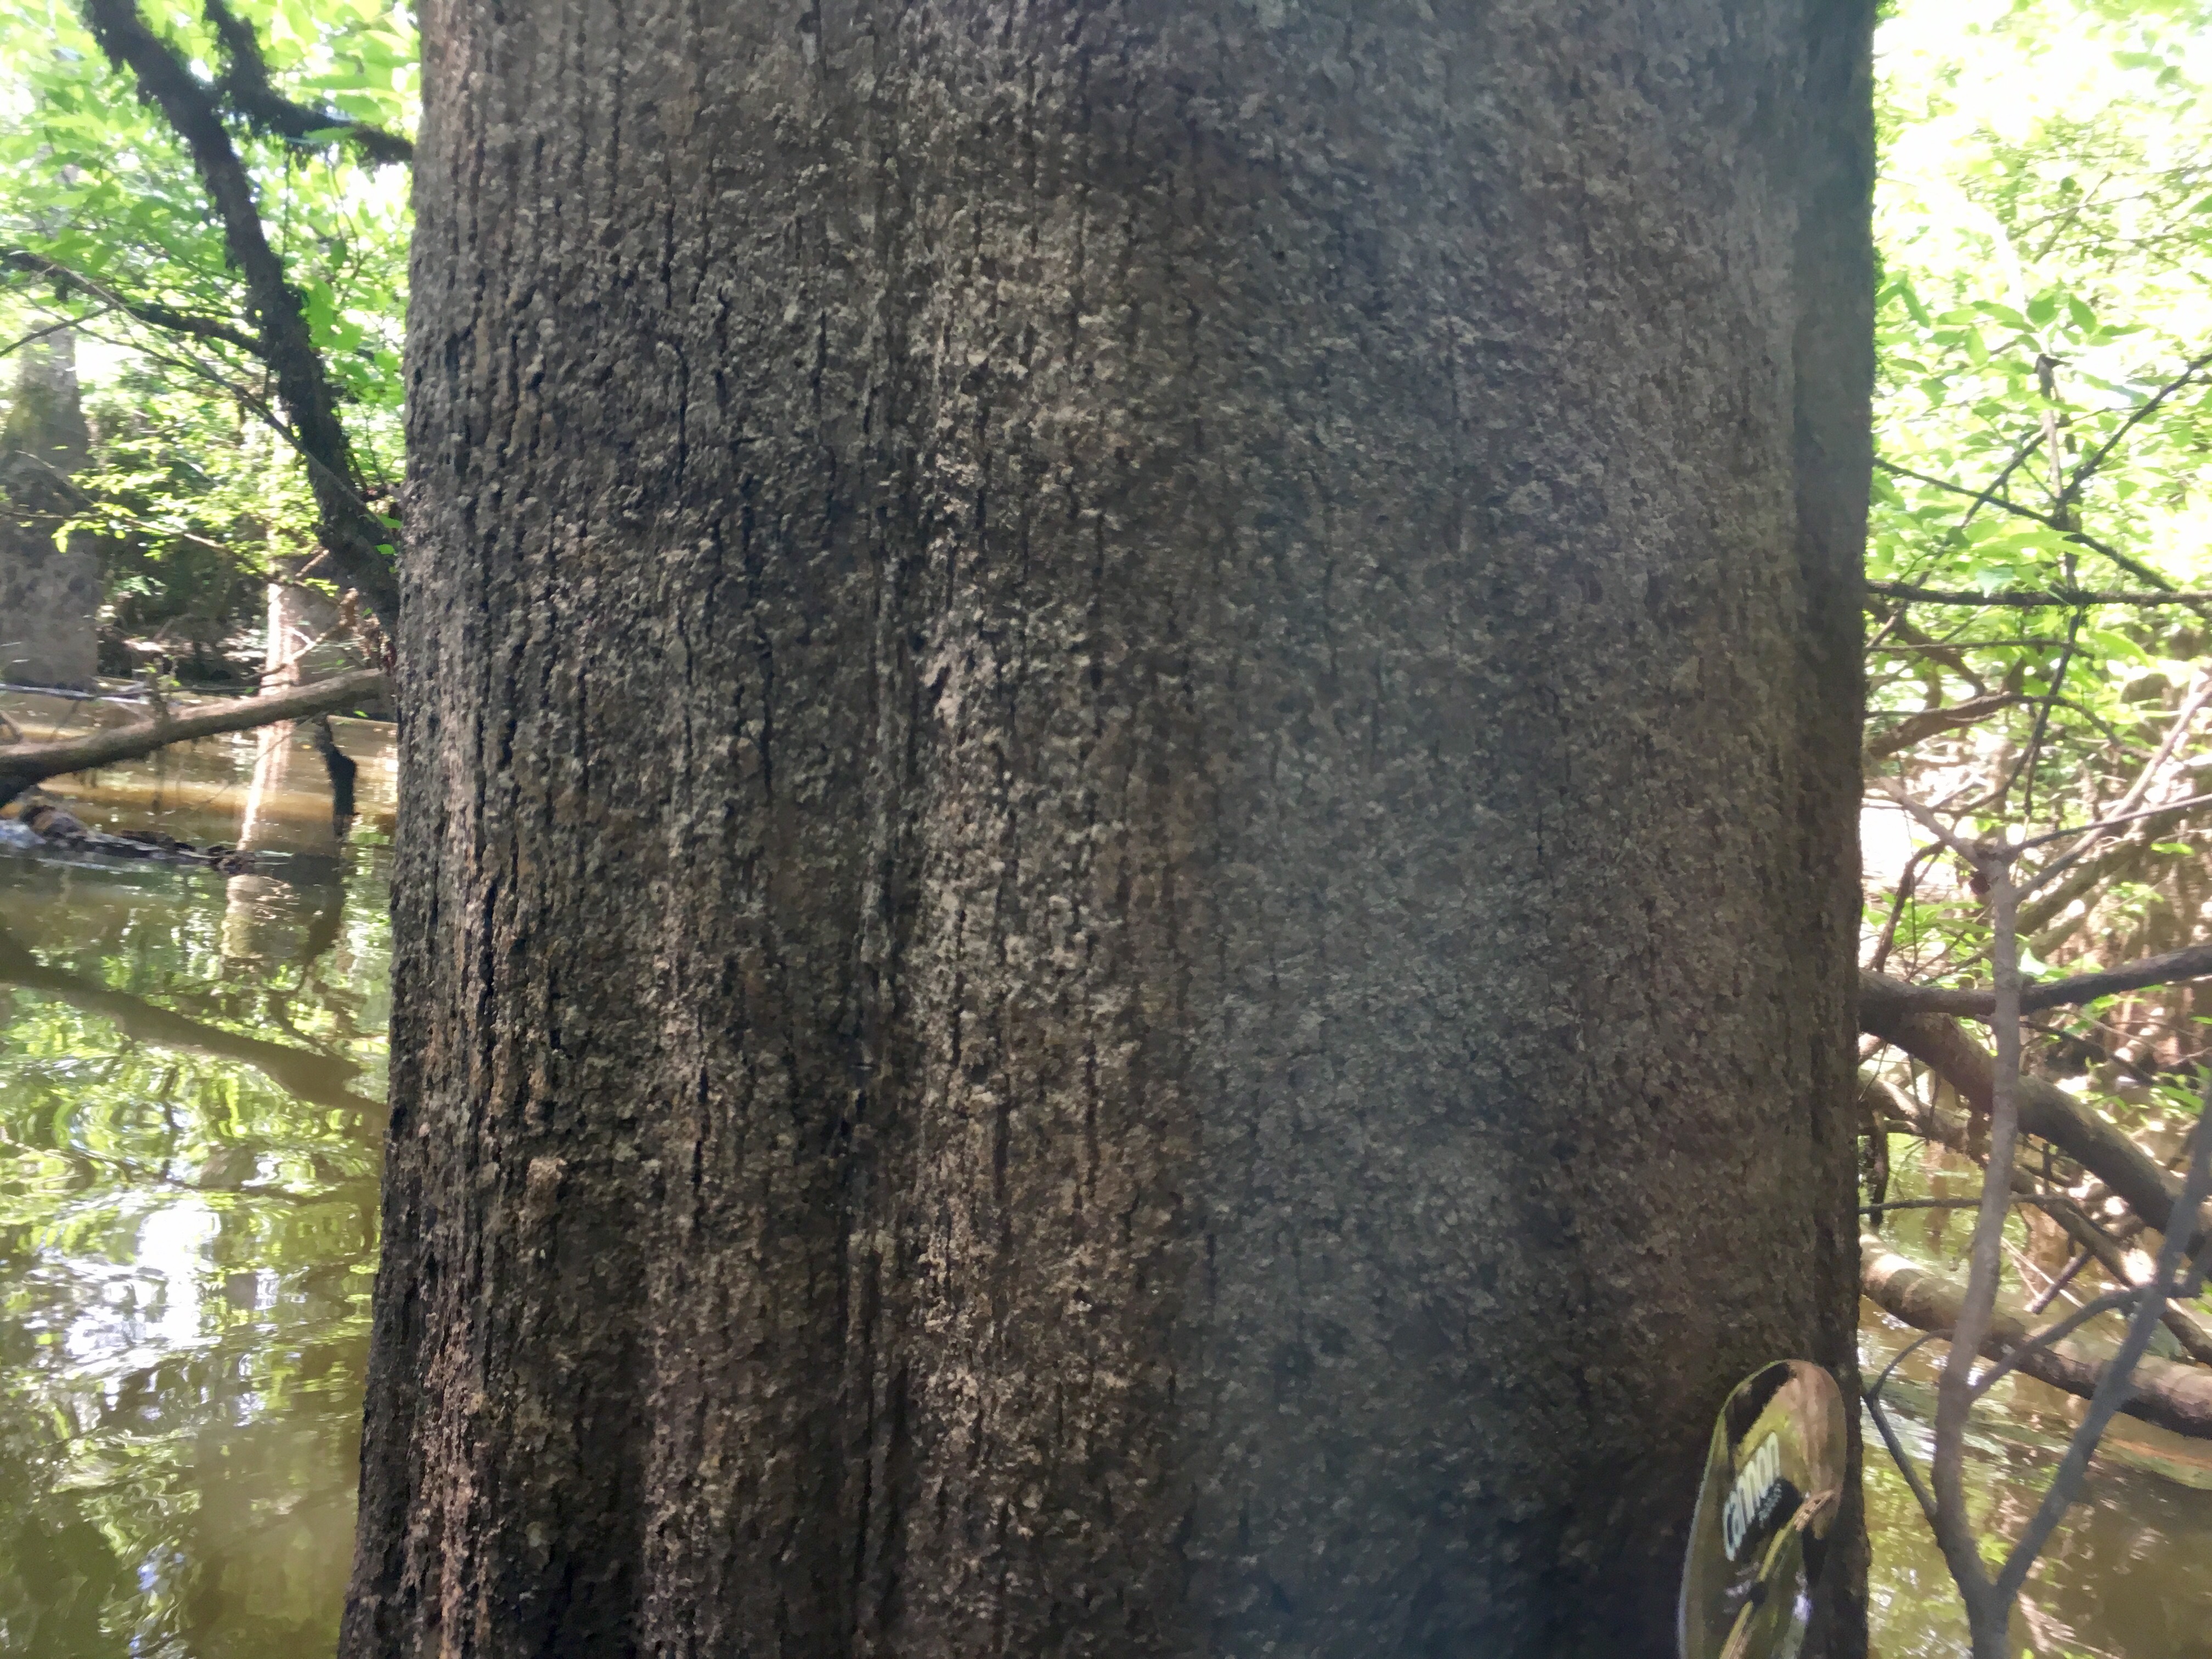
(2174, 1396)
(23, 764)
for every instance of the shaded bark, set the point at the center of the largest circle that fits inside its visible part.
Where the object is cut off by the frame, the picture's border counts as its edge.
(1129, 788)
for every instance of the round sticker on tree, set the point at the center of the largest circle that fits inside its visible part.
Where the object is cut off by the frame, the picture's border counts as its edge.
(1773, 1481)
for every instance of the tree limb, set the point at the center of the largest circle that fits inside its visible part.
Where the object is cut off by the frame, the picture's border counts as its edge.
(23, 764)
(1927, 722)
(2174, 1396)
(2135, 567)
(246, 86)
(2191, 962)
(2140, 412)
(351, 533)
(168, 318)
(1948, 1129)
(1937, 1041)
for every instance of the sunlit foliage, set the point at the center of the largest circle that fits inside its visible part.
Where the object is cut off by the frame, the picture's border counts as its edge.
(2044, 421)
(102, 220)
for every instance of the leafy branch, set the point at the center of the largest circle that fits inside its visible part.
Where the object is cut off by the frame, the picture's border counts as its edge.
(353, 535)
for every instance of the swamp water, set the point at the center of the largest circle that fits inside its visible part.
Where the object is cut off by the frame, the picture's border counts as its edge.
(191, 1068)
(191, 1072)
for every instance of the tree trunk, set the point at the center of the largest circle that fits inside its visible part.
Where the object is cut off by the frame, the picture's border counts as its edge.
(1127, 871)
(49, 590)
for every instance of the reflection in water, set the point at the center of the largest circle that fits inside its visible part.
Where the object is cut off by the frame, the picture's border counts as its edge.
(189, 1134)
(264, 910)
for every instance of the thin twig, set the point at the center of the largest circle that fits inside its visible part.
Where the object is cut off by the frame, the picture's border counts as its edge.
(1954, 1390)
(2045, 1200)
(2135, 567)
(1908, 881)
(1897, 1454)
(2026, 769)
(38, 334)
(2142, 411)
(2067, 1275)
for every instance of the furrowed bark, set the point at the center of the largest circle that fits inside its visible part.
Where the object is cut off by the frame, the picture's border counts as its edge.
(1087, 686)
(23, 764)
(2174, 1396)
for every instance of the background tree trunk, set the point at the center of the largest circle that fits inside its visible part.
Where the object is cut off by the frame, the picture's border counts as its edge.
(48, 591)
(1127, 879)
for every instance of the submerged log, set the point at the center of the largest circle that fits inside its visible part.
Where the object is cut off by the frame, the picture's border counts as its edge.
(23, 764)
(2174, 1396)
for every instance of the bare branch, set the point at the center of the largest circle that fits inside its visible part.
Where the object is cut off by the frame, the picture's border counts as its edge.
(2058, 1332)
(2135, 567)
(1975, 1315)
(1919, 726)
(2118, 1384)
(1948, 1129)
(2193, 962)
(1925, 817)
(2140, 412)
(39, 334)
(2046, 1200)
(23, 764)
(2047, 1112)
(2200, 692)
(1987, 493)
(1908, 883)
(168, 318)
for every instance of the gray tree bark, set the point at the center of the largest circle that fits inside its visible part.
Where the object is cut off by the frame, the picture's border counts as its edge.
(1127, 873)
(49, 588)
